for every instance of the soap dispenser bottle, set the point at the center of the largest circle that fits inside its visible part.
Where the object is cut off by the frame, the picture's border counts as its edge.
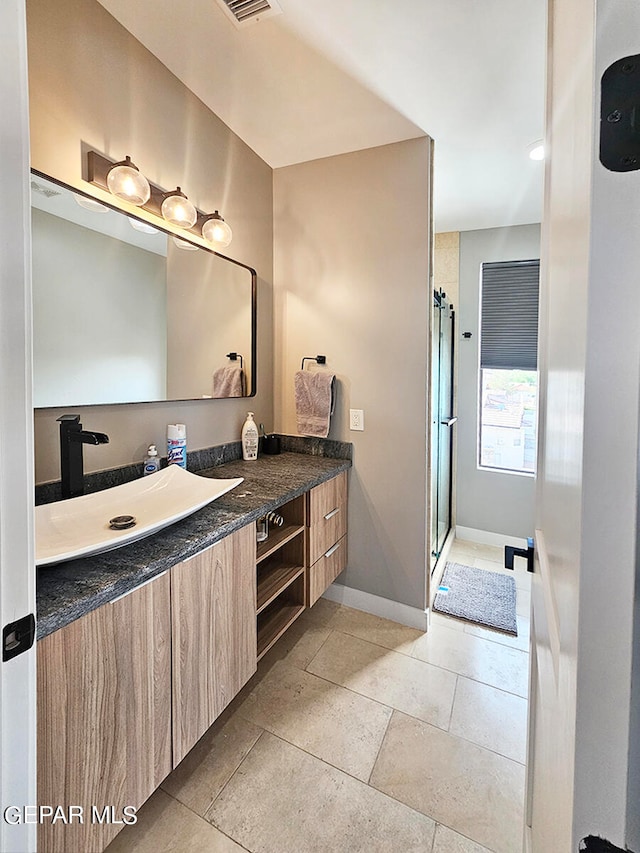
(151, 460)
(249, 438)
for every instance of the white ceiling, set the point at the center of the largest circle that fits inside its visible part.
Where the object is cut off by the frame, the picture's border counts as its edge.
(330, 76)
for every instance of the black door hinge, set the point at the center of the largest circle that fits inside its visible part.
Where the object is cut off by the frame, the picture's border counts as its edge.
(620, 115)
(595, 844)
(18, 636)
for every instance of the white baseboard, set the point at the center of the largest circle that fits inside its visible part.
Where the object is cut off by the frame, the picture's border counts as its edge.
(413, 617)
(487, 537)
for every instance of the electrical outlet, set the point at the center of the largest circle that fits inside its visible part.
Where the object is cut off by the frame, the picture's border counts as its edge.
(356, 419)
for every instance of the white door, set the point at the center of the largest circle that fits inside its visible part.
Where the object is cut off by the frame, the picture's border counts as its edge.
(580, 781)
(17, 574)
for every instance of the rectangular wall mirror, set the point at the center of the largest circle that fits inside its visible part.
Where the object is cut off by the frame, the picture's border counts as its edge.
(121, 315)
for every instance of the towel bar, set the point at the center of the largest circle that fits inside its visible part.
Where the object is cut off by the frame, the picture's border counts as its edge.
(321, 359)
(234, 356)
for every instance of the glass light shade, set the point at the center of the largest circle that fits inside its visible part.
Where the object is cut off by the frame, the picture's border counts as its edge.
(215, 230)
(536, 150)
(142, 226)
(178, 210)
(185, 244)
(90, 204)
(125, 181)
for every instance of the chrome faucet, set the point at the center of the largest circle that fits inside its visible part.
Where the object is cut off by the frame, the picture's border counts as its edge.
(72, 437)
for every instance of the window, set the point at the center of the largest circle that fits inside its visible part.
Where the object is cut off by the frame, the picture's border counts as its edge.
(508, 366)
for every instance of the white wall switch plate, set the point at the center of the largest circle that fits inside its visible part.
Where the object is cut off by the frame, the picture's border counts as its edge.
(356, 419)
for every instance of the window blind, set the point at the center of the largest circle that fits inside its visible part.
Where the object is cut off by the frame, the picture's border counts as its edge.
(509, 315)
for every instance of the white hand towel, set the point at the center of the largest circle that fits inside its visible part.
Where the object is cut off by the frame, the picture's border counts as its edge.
(314, 402)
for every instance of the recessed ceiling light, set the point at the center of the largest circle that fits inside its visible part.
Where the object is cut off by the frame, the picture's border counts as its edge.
(536, 150)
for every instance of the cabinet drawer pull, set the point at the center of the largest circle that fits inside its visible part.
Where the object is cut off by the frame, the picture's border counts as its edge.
(332, 513)
(136, 588)
(333, 549)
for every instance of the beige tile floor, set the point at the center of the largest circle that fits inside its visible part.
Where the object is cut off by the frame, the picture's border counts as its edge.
(359, 735)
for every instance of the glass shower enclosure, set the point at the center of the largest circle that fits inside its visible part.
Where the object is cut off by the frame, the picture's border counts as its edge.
(442, 421)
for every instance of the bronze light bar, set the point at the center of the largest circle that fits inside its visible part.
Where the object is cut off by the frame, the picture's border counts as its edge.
(98, 168)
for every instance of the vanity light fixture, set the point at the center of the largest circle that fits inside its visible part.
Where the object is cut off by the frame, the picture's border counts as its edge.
(178, 210)
(215, 230)
(536, 150)
(139, 225)
(127, 182)
(174, 207)
(90, 204)
(185, 244)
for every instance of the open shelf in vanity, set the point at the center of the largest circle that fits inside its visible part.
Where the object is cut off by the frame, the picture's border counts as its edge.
(281, 574)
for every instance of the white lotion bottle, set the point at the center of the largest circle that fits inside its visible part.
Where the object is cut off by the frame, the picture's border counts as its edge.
(249, 439)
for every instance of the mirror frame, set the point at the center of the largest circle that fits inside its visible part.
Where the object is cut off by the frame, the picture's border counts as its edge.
(186, 236)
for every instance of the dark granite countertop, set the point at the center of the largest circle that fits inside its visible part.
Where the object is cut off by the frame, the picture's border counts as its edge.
(69, 590)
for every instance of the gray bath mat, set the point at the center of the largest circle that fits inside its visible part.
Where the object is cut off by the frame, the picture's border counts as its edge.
(488, 598)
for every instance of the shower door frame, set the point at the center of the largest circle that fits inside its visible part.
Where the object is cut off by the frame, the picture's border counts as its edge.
(437, 542)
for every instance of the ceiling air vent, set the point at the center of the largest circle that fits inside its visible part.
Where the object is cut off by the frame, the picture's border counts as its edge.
(244, 12)
(47, 192)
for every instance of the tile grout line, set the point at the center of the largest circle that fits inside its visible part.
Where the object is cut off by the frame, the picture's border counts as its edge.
(346, 631)
(436, 822)
(322, 645)
(244, 758)
(348, 689)
(208, 822)
(393, 710)
(375, 761)
(328, 763)
(453, 702)
(471, 678)
(462, 835)
(355, 779)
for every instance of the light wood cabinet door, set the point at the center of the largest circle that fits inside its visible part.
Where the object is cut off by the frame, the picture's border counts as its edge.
(327, 515)
(326, 569)
(104, 716)
(213, 611)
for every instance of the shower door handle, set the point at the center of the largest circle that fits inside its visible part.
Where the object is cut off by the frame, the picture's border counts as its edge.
(449, 421)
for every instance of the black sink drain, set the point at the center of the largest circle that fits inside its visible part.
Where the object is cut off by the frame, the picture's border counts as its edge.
(122, 522)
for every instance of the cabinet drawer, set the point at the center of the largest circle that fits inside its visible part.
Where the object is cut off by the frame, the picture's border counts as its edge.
(325, 570)
(327, 515)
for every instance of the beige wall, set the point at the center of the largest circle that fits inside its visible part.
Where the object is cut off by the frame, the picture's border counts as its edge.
(351, 270)
(92, 85)
(487, 500)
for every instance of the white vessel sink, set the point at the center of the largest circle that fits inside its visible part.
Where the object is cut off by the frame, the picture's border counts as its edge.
(80, 526)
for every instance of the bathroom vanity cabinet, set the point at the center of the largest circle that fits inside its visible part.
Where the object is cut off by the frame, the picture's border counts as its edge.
(104, 716)
(213, 634)
(125, 691)
(327, 542)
